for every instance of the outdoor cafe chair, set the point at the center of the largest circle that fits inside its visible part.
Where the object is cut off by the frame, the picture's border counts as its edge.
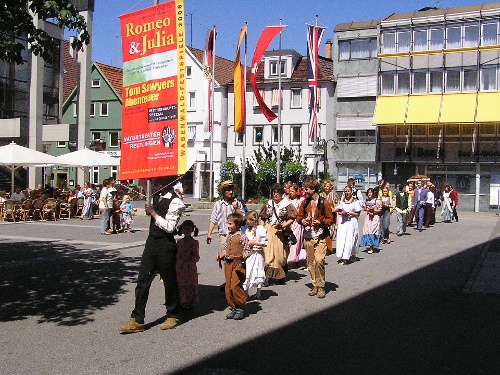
(26, 210)
(50, 209)
(79, 206)
(64, 210)
(38, 208)
(9, 210)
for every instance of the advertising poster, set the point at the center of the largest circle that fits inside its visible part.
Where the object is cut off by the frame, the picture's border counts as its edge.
(154, 123)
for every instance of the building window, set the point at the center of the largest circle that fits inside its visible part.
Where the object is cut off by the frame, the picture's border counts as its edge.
(262, 95)
(453, 37)
(273, 67)
(95, 175)
(489, 34)
(92, 109)
(114, 139)
(275, 135)
(452, 80)
(96, 83)
(258, 134)
(75, 109)
(488, 78)
(471, 35)
(403, 83)
(420, 40)
(295, 135)
(356, 136)
(188, 72)
(419, 82)
(389, 42)
(191, 132)
(436, 81)
(387, 84)
(104, 109)
(276, 97)
(192, 101)
(355, 49)
(61, 144)
(470, 80)
(114, 172)
(296, 98)
(238, 138)
(437, 39)
(404, 41)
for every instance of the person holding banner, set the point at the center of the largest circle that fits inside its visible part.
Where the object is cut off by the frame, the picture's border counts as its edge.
(160, 253)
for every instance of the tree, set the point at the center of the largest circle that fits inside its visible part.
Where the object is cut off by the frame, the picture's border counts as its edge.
(16, 21)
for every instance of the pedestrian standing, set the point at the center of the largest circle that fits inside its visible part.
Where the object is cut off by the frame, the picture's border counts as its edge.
(188, 254)
(371, 227)
(454, 199)
(419, 199)
(255, 263)
(159, 255)
(348, 239)
(385, 216)
(236, 250)
(402, 207)
(105, 205)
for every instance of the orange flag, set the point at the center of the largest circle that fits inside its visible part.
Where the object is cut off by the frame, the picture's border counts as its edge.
(239, 87)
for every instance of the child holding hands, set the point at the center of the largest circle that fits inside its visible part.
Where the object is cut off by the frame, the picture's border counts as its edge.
(257, 240)
(126, 211)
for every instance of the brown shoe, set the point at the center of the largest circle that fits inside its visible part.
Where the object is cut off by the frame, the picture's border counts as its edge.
(321, 293)
(170, 323)
(132, 327)
(313, 291)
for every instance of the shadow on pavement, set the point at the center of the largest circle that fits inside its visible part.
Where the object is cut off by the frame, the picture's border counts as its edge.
(421, 323)
(58, 283)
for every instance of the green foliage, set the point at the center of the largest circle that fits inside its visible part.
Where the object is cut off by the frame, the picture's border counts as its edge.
(229, 171)
(17, 21)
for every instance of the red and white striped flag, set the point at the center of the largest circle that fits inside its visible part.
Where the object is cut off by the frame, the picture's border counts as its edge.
(314, 35)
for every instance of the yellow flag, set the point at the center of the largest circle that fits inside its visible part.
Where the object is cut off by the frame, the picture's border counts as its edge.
(239, 88)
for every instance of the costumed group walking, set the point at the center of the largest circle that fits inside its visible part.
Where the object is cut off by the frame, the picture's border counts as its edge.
(257, 249)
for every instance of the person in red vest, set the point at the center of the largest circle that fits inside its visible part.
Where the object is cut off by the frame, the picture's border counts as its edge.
(454, 199)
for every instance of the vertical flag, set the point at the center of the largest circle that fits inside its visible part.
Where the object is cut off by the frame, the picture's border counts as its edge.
(154, 121)
(265, 39)
(314, 35)
(239, 86)
(208, 59)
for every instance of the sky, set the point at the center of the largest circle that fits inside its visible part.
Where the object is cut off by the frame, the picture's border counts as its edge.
(229, 16)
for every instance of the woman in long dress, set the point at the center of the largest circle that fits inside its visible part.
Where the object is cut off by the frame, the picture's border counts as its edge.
(88, 196)
(295, 250)
(447, 206)
(278, 215)
(333, 198)
(371, 227)
(348, 210)
(255, 263)
(385, 216)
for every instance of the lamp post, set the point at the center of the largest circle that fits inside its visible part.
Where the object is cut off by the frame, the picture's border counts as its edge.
(322, 145)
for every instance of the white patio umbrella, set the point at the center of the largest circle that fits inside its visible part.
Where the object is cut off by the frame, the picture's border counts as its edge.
(14, 156)
(86, 158)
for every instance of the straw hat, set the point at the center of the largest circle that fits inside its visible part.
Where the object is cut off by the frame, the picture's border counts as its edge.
(226, 185)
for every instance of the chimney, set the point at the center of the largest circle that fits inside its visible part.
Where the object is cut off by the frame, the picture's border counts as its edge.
(328, 51)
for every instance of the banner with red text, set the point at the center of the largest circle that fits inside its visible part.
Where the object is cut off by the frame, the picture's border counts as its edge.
(154, 122)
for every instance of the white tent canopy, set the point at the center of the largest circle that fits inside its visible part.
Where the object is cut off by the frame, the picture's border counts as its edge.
(14, 156)
(85, 158)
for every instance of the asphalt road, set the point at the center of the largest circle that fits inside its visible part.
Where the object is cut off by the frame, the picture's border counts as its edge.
(65, 289)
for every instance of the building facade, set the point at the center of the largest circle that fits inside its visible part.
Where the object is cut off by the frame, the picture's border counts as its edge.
(437, 107)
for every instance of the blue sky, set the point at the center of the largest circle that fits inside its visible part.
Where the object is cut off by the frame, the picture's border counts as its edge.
(229, 16)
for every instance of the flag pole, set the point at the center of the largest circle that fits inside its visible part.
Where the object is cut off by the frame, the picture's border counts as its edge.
(244, 163)
(211, 114)
(278, 159)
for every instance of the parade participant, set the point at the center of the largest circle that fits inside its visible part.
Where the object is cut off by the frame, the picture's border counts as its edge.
(454, 199)
(126, 208)
(278, 215)
(296, 252)
(331, 196)
(447, 205)
(315, 215)
(419, 200)
(429, 205)
(403, 206)
(255, 263)
(105, 205)
(160, 253)
(371, 227)
(385, 216)
(236, 250)
(221, 210)
(410, 189)
(348, 210)
(378, 188)
(188, 254)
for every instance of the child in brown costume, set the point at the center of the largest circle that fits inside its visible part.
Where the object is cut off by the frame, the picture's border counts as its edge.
(235, 252)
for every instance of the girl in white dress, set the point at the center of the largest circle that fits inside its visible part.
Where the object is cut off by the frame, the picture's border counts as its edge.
(348, 211)
(257, 239)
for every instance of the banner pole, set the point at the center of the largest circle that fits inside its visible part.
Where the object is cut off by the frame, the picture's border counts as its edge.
(278, 162)
(244, 162)
(211, 114)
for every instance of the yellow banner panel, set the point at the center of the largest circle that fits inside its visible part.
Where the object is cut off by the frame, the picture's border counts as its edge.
(390, 110)
(458, 107)
(488, 107)
(423, 109)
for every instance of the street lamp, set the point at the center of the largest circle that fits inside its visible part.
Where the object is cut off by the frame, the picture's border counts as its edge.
(322, 145)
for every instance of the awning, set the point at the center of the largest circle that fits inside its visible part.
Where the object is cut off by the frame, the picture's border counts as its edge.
(488, 108)
(423, 109)
(458, 108)
(390, 110)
